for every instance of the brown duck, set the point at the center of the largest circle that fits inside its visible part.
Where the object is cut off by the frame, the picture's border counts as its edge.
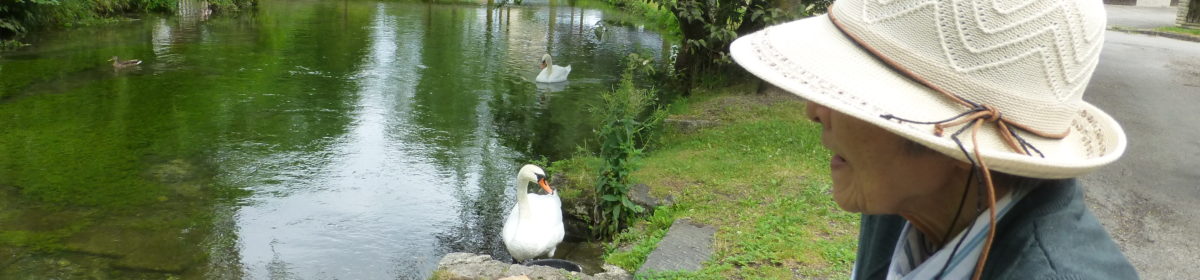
(118, 63)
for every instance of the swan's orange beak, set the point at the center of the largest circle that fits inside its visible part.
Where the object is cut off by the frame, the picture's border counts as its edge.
(545, 186)
(542, 65)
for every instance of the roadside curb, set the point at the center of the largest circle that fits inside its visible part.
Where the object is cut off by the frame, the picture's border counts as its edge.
(1171, 35)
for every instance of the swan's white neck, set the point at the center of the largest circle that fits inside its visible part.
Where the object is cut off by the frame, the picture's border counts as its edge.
(523, 197)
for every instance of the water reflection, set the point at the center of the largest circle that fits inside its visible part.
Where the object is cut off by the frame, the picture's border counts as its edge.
(355, 140)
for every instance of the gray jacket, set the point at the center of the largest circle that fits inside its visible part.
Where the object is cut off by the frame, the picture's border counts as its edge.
(1050, 234)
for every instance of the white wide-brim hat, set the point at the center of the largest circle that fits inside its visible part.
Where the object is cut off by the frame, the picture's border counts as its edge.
(896, 64)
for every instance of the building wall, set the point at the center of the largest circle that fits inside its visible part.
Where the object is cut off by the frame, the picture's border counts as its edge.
(1181, 18)
(1153, 3)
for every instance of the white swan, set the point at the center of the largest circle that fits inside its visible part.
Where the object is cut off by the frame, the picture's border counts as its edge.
(552, 73)
(534, 227)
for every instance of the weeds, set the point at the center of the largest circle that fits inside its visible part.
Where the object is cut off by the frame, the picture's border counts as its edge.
(626, 116)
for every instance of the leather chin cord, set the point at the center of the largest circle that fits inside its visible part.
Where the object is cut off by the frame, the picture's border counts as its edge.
(973, 118)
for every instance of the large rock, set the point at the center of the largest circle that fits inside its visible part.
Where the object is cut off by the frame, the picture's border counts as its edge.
(640, 195)
(471, 266)
(685, 248)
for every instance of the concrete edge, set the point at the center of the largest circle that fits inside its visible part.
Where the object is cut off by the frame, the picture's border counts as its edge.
(1151, 32)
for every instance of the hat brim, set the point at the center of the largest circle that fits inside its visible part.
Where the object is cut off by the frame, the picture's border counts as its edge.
(814, 60)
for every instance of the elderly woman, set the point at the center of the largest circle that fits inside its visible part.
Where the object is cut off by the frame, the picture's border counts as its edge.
(956, 127)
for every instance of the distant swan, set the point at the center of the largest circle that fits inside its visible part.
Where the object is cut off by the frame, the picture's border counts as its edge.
(552, 73)
(534, 227)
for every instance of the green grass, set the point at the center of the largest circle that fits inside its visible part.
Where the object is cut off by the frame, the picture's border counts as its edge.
(1181, 30)
(760, 176)
(578, 173)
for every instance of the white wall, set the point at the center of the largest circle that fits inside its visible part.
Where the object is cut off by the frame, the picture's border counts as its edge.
(1153, 3)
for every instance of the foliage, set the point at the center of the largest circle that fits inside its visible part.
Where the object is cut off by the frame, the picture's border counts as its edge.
(18, 16)
(709, 26)
(626, 118)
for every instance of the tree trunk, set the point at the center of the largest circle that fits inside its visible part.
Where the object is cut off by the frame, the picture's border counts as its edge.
(748, 24)
(689, 60)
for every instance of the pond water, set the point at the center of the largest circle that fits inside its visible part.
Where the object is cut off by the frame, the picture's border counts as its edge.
(304, 140)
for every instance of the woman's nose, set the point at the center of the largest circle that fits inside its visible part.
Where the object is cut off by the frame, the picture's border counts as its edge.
(816, 112)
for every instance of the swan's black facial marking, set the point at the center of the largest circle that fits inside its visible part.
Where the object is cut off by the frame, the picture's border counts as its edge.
(541, 180)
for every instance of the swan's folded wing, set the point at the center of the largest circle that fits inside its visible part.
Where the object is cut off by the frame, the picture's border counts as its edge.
(548, 216)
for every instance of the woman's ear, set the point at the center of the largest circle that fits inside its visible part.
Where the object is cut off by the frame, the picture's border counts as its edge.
(816, 112)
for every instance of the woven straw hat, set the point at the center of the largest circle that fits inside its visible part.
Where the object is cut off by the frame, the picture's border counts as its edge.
(1018, 69)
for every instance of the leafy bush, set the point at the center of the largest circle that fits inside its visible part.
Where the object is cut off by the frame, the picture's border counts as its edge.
(627, 115)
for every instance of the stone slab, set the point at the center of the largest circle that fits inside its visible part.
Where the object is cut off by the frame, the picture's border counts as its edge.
(685, 248)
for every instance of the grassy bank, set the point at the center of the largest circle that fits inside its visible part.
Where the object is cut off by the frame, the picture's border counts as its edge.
(19, 17)
(650, 11)
(757, 172)
(1180, 30)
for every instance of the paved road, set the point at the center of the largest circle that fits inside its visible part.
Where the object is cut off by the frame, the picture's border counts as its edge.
(1150, 199)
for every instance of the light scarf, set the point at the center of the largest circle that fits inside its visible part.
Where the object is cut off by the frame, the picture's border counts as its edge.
(911, 260)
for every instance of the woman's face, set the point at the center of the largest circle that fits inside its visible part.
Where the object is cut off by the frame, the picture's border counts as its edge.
(874, 172)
